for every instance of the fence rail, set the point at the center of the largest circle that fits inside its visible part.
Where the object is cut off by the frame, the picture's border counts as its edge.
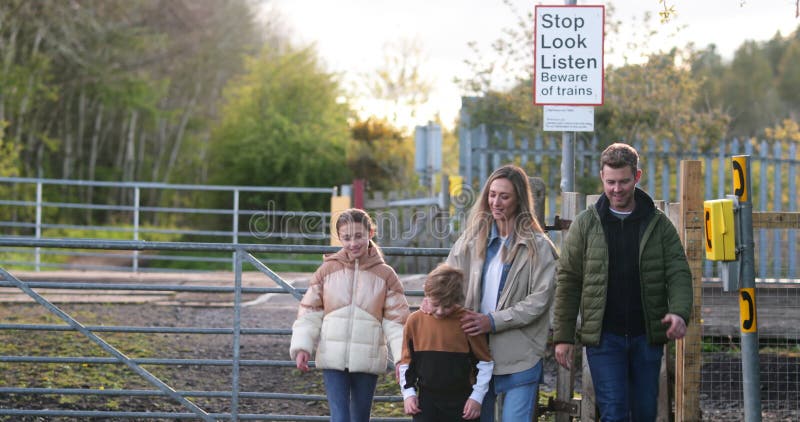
(29, 204)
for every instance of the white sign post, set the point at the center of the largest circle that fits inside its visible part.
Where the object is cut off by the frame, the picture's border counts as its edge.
(568, 55)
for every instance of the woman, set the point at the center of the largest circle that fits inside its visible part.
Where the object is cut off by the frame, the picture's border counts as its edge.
(511, 264)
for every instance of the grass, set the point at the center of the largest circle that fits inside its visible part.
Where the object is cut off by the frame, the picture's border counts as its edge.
(67, 344)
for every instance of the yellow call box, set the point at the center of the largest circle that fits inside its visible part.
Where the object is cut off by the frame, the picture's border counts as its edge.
(720, 233)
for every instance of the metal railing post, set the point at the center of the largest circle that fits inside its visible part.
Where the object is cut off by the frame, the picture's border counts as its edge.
(235, 228)
(136, 200)
(751, 379)
(38, 222)
(237, 323)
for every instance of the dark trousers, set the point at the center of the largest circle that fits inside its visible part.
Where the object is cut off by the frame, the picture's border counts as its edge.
(441, 407)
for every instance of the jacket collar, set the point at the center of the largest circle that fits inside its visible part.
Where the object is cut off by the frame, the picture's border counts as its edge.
(371, 259)
(644, 205)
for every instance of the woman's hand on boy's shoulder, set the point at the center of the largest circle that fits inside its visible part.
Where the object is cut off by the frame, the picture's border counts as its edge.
(425, 306)
(475, 323)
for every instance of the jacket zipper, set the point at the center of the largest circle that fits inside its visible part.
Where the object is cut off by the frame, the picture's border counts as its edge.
(627, 291)
(642, 241)
(353, 286)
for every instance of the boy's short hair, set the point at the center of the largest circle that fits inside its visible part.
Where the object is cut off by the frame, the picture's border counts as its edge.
(445, 285)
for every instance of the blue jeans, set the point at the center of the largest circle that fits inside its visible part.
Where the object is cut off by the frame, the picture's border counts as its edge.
(349, 394)
(521, 393)
(625, 374)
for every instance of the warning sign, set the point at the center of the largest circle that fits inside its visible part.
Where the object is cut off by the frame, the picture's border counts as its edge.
(568, 55)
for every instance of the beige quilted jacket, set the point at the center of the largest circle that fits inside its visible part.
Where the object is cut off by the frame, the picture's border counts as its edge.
(351, 311)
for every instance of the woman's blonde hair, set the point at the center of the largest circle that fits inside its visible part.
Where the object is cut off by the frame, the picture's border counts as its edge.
(525, 226)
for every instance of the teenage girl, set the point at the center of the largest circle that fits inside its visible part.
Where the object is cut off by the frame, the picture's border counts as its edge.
(354, 306)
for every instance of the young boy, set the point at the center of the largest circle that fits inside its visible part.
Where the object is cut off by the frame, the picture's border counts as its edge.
(439, 361)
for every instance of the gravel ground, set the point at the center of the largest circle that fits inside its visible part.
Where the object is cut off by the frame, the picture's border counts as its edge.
(721, 371)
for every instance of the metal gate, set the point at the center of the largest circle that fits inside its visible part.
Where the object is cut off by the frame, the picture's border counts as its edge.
(160, 387)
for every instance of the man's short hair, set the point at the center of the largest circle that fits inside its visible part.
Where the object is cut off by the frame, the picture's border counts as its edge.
(445, 285)
(619, 155)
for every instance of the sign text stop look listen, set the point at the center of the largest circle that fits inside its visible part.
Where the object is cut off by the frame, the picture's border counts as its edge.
(568, 55)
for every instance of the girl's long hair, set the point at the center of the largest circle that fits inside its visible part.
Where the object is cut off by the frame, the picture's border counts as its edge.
(359, 216)
(525, 226)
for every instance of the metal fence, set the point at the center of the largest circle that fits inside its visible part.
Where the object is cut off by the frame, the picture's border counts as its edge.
(721, 389)
(775, 188)
(188, 404)
(34, 208)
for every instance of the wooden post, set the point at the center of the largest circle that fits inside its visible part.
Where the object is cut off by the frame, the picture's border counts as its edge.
(664, 396)
(572, 204)
(687, 350)
(539, 192)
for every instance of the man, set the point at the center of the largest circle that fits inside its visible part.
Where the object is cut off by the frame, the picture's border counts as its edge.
(623, 266)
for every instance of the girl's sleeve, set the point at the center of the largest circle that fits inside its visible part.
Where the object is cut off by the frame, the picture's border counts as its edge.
(395, 313)
(307, 326)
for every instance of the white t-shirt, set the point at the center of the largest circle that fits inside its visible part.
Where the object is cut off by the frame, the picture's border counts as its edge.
(491, 281)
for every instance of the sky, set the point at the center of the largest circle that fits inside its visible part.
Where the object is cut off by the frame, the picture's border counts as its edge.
(351, 36)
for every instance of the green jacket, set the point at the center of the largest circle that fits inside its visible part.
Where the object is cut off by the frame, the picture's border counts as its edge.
(582, 280)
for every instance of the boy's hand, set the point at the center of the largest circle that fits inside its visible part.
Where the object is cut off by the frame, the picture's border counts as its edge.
(302, 360)
(472, 410)
(410, 406)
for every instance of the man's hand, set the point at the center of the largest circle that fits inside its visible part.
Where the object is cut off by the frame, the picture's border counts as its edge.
(472, 410)
(474, 323)
(677, 326)
(564, 355)
(302, 360)
(410, 406)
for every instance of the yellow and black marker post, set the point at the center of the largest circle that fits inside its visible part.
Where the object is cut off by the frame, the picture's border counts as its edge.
(747, 291)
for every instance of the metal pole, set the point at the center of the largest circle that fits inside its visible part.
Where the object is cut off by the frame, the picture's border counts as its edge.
(235, 228)
(568, 149)
(567, 162)
(237, 327)
(38, 221)
(747, 292)
(136, 199)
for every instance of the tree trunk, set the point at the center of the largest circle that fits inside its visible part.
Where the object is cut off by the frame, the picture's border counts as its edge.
(176, 147)
(130, 148)
(139, 165)
(23, 105)
(9, 50)
(161, 141)
(66, 163)
(93, 151)
(128, 166)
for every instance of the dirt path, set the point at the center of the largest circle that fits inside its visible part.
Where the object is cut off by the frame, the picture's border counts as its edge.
(718, 392)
